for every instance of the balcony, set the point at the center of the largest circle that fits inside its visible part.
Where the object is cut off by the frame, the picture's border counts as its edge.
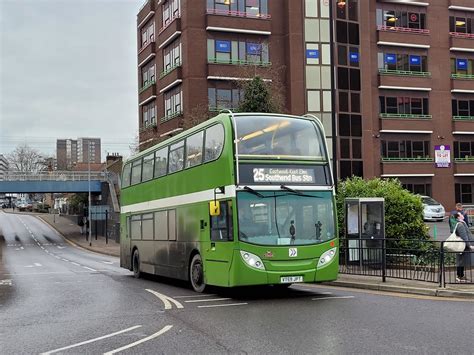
(237, 14)
(405, 79)
(233, 21)
(146, 86)
(463, 123)
(463, 118)
(461, 3)
(170, 117)
(146, 52)
(171, 77)
(394, 166)
(464, 165)
(235, 71)
(146, 93)
(170, 70)
(167, 31)
(146, 12)
(403, 35)
(150, 126)
(462, 76)
(238, 62)
(462, 82)
(424, 74)
(461, 41)
(392, 122)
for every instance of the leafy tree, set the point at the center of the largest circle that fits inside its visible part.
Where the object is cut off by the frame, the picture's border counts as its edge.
(404, 226)
(257, 97)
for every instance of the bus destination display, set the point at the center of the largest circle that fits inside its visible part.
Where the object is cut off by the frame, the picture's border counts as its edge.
(252, 174)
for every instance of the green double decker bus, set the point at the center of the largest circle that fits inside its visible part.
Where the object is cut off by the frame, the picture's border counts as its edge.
(240, 199)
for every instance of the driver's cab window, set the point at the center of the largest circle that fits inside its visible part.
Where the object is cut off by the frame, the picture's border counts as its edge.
(221, 225)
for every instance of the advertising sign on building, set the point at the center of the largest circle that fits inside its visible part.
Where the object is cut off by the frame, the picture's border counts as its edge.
(223, 46)
(312, 53)
(354, 57)
(442, 156)
(390, 58)
(461, 64)
(415, 60)
(254, 48)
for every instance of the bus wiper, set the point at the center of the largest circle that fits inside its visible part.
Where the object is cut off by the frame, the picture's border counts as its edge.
(283, 187)
(252, 191)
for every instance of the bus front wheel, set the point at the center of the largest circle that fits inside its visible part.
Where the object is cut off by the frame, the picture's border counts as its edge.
(196, 274)
(136, 264)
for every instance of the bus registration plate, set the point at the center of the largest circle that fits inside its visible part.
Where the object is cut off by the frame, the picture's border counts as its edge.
(291, 279)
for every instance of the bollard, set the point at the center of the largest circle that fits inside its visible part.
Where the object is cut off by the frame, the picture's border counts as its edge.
(435, 232)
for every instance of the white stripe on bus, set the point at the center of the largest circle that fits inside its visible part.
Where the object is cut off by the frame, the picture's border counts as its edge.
(208, 195)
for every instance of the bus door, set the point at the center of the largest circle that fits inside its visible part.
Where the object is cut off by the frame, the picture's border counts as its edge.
(125, 257)
(219, 246)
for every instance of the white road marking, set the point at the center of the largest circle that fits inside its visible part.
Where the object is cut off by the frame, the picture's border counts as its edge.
(92, 340)
(88, 268)
(166, 300)
(208, 300)
(224, 305)
(194, 296)
(162, 331)
(6, 282)
(108, 262)
(330, 298)
(60, 247)
(73, 263)
(65, 260)
(38, 264)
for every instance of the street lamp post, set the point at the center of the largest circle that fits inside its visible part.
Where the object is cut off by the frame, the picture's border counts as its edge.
(89, 179)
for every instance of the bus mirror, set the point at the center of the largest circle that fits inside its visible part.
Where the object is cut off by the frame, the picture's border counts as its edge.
(214, 208)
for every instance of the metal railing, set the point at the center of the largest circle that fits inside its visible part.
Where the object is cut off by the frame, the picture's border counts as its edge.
(170, 69)
(423, 74)
(422, 31)
(238, 62)
(463, 118)
(146, 86)
(409, 259)
(385, 159)
(55, 176)
(462, 35)
(211, 11)
(170, 117)
(404, 115)
(468, 159)
(462, 76)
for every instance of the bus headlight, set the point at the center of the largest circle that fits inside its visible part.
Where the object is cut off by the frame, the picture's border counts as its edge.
(252, 260)
(326, 258)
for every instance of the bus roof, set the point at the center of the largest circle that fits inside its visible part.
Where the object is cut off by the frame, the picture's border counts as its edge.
(211, 121)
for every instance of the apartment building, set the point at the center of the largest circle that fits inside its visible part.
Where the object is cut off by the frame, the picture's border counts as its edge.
(391, 80)
(3, 167)
(69, 152)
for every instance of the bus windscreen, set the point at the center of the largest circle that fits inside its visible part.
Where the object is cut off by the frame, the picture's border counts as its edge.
(279, 136)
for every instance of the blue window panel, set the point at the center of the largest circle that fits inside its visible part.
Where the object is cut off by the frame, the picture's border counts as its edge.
(354, 57)
(390, 58)
(223, 46)
(461, 64)
(312, 53)
(254, 48)
(415, 59)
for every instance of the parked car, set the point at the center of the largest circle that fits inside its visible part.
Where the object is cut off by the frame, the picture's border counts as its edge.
(432, 209)
(25, 206)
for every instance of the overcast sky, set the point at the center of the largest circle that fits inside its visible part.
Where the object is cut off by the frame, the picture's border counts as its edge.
(68, 69)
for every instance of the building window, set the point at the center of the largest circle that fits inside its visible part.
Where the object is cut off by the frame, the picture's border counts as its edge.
(173, 102)
(237, 52)
(462, 66)
(220, 98)
(402, 62)
(245, 8)
(172, 56)
(403, 105)
(464, 193)
(149, 114)
(405, 149)
(419, 189)
(148, 33)
(463, 150)
(148, 74)
(401, 18)
(461, 24)
(463, 108)
(170, 10)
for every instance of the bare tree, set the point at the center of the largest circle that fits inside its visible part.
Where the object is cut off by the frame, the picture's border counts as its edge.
(134, 146)
(25, 159)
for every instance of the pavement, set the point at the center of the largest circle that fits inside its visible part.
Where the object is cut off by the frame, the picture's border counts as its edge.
(72, 233)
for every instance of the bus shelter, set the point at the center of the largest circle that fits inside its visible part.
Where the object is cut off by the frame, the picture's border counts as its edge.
(365, 230)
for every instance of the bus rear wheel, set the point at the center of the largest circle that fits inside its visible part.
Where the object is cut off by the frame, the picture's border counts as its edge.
(136, 264)
(196, 274)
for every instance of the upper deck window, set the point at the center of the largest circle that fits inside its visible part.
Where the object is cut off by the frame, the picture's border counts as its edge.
(279, 136)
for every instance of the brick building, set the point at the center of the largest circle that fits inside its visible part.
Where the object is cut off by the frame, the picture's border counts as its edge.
(391, 80)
